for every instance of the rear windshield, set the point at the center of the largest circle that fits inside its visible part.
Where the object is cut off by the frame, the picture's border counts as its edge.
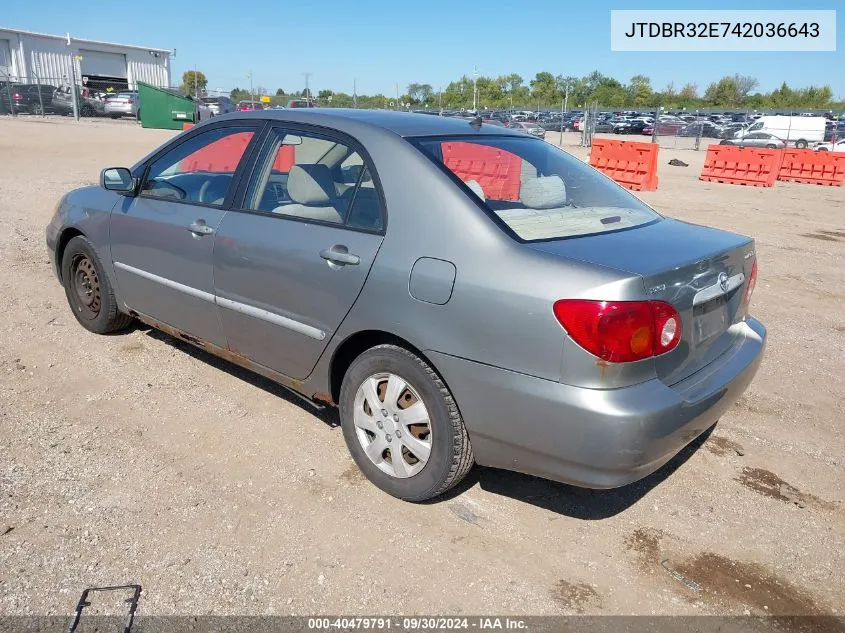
(537, 190)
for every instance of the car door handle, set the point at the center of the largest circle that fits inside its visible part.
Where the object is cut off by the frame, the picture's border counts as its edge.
(200, 228)
(340, 255)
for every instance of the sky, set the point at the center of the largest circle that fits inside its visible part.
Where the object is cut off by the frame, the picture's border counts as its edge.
(380, 44)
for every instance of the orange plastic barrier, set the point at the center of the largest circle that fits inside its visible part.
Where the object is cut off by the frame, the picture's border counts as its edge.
(187, 126)
(741, 165)
(497, 171)
(815, 168)
(633, 165)
(222, 155)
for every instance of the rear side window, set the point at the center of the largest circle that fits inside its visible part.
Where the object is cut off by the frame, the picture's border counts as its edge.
(315, 178)
(538, 191)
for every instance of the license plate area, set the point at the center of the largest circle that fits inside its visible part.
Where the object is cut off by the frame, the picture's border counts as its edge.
(709, 320)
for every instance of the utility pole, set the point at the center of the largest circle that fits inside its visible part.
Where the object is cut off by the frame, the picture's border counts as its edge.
(566, 99)
(307, 89)
(397, 95)
(196, 84)
(73, 95)
(475, 89)
(354, 93)
(251, 92)
(440, 98)
(562, 106)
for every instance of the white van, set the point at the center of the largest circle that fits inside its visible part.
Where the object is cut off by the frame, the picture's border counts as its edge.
(801, 130)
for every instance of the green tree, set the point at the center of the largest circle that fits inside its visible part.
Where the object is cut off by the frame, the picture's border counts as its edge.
(689, 92)
(639, 91)
(544, 88)
(419, 93)
(724, 92)
(280, 92)
(238, 94)
(194, 82)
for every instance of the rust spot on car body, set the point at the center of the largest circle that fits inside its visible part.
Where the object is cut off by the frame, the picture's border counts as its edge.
(324, 396)
(602, 365)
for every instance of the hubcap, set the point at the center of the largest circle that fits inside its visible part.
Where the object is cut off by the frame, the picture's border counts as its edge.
(392, 425)
(86, 283)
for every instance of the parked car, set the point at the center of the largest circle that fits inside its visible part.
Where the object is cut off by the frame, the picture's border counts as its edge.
(88, 106)
(632, 127)
(25, 98)
(603, 127)
(123, 103)
(756, 139)
(529, 128)
(546, 321)
(705, 129)
(302, 103)
(247, 106)
(219, 105)
(838, 146)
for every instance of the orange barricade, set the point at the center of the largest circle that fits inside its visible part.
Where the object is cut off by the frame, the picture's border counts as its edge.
(222, 155)
(816, 168)
(632, 165)
(494, 169)
(187, 126)
(741, 165)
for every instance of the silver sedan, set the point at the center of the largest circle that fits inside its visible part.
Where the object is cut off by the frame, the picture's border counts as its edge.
(756, 139)
(462, 293)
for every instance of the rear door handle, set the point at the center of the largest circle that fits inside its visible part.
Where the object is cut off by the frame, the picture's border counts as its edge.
(340, 256)
(200, 228)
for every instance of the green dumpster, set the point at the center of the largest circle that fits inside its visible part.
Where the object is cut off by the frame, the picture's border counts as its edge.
(163, 108)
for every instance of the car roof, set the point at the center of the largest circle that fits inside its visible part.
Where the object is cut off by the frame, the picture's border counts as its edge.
(405, 124)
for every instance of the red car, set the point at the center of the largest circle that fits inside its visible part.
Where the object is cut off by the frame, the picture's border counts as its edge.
(647, 130)
(246, 106)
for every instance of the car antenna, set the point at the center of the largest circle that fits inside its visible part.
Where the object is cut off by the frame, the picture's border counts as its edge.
(476, 122)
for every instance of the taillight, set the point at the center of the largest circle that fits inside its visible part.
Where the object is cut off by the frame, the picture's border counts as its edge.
(17, 96)
(620, 331)
(752, 281)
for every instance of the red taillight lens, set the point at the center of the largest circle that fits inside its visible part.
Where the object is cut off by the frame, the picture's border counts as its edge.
(752, 281)
(620, 331)
(17, 97)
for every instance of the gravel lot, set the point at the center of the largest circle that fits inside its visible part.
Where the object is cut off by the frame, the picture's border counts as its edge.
(134, 458)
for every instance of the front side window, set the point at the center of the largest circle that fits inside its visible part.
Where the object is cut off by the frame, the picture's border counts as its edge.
(537, 190)
(201, 169)
(316, 178)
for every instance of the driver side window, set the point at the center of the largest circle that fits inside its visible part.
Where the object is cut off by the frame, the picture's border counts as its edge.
(200, 170)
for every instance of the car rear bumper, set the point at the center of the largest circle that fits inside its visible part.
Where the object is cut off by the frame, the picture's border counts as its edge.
(591, 437)
(119, 108)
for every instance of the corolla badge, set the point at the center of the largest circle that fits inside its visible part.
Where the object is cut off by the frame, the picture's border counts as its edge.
(723, 281)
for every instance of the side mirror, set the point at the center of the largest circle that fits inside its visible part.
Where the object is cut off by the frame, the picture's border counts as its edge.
(117, 179)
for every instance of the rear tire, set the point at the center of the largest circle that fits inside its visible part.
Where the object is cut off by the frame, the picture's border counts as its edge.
(432, 425)
(771, 146)
(801, 144)
(88, 290)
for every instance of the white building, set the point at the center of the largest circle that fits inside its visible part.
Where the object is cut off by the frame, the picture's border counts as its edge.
(27, 57)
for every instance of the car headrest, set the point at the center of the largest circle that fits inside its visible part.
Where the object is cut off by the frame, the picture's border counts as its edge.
(476, 189)
(543, 192)
(311, 184)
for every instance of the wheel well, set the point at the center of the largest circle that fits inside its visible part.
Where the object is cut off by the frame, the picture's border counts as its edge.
(356, 345)
(66, 236)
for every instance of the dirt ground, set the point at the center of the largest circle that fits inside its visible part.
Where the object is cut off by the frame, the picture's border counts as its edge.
(137, 459)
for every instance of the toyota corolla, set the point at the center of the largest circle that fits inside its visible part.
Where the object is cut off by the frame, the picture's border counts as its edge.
(462, 293)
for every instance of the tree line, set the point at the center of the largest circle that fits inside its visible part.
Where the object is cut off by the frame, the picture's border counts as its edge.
(547, 90)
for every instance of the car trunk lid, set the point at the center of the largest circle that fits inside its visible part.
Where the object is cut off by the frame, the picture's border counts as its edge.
(701, 271)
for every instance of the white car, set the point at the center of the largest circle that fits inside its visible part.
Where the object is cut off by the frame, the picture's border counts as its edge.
(839, 146)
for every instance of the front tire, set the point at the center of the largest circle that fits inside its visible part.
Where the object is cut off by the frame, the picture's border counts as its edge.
(392, 399)
(801, 144)
(88, 290)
